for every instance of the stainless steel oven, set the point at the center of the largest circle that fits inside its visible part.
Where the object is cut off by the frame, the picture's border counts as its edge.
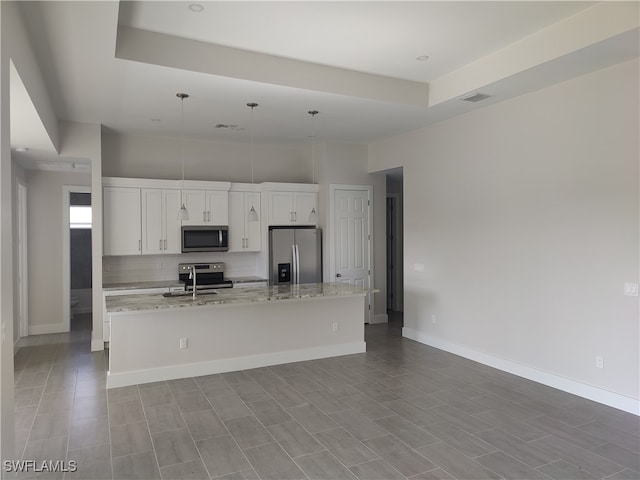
(196, 238)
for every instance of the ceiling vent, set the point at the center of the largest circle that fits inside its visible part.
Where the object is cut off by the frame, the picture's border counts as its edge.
(474, 97)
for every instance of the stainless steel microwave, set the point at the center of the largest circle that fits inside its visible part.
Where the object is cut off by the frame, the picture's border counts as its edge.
(196, 238)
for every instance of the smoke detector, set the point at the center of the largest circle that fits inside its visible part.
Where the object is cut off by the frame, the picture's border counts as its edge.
(474, 97)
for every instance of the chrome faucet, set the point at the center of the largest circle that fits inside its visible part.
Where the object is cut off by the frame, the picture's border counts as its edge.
(192, 275)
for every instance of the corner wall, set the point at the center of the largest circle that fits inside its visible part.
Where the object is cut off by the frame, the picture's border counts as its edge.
(45, 226)
(82, 140)
(18, 174)
(525, 215)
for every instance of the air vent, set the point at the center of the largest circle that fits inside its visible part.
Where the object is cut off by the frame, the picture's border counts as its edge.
(225, 125)
(61, 166)
(474, 97)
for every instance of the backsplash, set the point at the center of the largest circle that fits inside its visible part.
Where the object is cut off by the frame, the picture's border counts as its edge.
(140, 268)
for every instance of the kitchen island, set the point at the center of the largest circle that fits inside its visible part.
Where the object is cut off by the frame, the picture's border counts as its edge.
(155, 338)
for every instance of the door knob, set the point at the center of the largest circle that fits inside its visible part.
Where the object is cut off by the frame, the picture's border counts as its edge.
(338, 275)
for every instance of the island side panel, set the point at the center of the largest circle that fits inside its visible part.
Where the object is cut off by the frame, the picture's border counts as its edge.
(145, 346)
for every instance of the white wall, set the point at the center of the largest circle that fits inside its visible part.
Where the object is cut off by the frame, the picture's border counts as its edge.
(160, 157)
(7, 423)
(18, 174)
(346, 164)
(45, 230)
(525, 216)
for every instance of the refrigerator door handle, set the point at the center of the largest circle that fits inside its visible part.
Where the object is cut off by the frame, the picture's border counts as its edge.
(297, 260)
(294, 266)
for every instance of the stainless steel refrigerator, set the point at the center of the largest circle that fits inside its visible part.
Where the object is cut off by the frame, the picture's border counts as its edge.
(295, 255)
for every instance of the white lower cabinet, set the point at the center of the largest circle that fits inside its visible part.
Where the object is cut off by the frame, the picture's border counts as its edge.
(244, 235)
(160, 224)
(122, 221)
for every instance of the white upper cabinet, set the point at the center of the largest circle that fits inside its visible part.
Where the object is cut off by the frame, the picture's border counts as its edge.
(206, 207)
(291, 208)
(160, 224)
(244, 235)
(141, 215)
(304, 203)
(280, 208)
(122, 221)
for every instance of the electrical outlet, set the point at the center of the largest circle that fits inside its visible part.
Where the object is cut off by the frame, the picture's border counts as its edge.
(631, 289)
(184, 343)
(599, 361)
(335, 327)
(434, 319)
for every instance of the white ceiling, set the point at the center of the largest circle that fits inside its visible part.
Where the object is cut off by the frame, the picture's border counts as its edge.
(89, 82)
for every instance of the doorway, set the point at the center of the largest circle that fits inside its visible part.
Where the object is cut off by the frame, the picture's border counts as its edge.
(77, 286)
(350, 237)
(395, 241)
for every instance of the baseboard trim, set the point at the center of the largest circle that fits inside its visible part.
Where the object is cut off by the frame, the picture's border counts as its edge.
(97, 344)
(380, 318)
(615, 400)
(231, 364)
(45, 329)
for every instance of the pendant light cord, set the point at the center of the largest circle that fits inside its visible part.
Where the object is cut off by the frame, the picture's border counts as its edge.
(183, 213)
(253, 156)
(182, 142)
(313, 114)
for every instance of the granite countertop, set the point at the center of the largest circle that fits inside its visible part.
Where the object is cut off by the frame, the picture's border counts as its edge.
(135, 303)
(135, 285)
(246, 279)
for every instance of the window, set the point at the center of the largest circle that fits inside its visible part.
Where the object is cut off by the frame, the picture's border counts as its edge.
(80, 217)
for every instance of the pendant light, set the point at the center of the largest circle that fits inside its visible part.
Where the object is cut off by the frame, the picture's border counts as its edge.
(313, 215)
(253, 215)
(183, 213)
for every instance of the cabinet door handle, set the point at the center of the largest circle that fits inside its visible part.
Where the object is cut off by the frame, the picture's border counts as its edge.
(140, 245)
(208, 216)
(160, 244)
(291, 216)
(295, 216)
(204, 216)
(165, 243)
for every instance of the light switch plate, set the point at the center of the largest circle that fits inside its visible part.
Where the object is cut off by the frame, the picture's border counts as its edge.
(418, 267)
(631, 289)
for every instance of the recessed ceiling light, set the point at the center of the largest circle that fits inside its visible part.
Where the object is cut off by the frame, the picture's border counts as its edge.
(422, 58)
(22, 149)
(196, 7)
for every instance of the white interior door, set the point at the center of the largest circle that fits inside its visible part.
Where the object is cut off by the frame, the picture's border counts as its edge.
(351, 235)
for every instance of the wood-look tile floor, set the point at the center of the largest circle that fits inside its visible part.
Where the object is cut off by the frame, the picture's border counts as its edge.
(402, 410)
